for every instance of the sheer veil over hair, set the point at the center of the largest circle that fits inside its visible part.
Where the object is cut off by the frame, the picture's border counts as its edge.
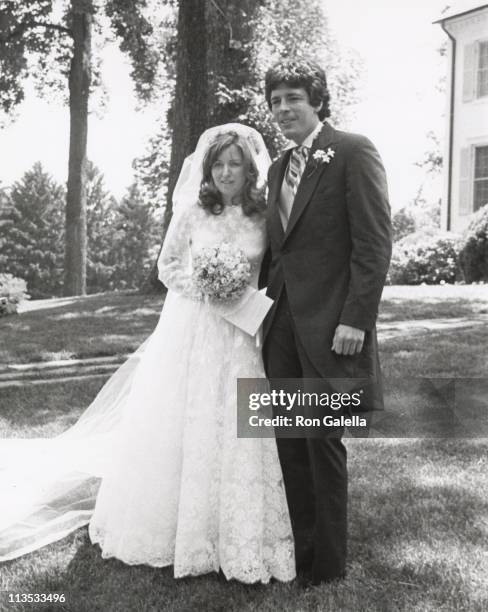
(48, 487)
(188, 184)
(187, 187)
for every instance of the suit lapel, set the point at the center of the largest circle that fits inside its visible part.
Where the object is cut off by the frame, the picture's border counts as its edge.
(276, 227)
(310, 177)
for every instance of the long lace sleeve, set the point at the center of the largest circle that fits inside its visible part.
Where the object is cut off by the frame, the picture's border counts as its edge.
(174, 263)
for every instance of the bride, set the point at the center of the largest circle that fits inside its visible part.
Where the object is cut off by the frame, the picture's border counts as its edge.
(154, 465)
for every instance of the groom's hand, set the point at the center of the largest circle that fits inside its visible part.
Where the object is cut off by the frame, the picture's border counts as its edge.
(347, 340)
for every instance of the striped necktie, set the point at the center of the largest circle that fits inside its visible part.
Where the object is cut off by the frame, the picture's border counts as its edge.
(296, 166)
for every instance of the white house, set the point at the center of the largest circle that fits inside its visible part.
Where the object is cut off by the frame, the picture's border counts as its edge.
(466, 150)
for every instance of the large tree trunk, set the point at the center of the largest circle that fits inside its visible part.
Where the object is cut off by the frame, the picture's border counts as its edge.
(189, 108)
(79, 88)
(228, 26)
(188, 115)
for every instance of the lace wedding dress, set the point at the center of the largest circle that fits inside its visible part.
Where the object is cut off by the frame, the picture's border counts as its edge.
(178, 487)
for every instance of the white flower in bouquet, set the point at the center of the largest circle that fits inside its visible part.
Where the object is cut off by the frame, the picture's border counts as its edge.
(221, 272)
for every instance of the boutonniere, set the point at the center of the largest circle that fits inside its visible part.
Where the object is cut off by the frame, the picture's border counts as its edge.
(320, 157)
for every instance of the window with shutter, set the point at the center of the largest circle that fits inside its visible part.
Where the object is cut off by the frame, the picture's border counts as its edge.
(480, 180)
(465, 182)
(469, 72)
(482, 73)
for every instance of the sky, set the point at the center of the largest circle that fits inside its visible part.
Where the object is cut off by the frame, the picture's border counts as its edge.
(399, 102)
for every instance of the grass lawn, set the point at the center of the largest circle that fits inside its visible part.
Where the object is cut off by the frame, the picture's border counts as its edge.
(417, 541)
(93, 326)
(433, 301)
(112, 323)
(418, 530)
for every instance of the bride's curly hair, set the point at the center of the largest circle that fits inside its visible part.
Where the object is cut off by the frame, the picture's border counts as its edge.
(210, 198)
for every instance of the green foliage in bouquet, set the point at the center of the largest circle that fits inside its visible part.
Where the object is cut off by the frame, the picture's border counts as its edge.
(424, 257)
(473, 254)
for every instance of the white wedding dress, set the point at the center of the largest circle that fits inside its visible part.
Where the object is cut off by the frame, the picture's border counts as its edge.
(177, 485)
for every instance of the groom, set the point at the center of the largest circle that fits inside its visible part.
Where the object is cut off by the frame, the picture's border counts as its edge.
(330, 245)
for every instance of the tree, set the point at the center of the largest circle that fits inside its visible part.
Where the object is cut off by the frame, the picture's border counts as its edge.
(432, 159)
(189, 110)
(151, 170)
(424, 208)
(136, 241)
(426, 205)
(5, 208)
(33, 232)
(34, 43)
(79, 87)
(101, 212)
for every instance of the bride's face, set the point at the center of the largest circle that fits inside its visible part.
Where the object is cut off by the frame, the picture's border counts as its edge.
(229, 173)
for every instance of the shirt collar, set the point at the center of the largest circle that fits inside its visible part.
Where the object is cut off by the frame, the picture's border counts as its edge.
(308, 140)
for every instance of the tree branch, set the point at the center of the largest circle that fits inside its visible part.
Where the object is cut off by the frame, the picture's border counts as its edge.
(26, 25)
(53, 26)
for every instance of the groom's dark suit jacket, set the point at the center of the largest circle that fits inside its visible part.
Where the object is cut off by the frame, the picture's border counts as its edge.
(334, 256)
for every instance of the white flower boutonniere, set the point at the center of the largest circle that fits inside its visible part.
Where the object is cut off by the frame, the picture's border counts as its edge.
(320, 157)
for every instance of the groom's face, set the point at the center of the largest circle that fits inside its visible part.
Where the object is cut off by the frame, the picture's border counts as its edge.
(293, 112)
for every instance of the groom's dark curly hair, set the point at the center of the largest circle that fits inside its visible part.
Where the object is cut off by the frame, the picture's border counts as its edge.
(300, 73)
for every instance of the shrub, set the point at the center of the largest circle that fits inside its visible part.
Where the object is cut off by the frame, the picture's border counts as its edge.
(403, 224)
(13, 290)
(473, 254)
(424, 257)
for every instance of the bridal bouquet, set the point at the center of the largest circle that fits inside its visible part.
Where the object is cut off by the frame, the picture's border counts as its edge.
(221, 272)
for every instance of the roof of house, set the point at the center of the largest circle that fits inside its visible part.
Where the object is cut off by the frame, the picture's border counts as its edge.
(461, 7)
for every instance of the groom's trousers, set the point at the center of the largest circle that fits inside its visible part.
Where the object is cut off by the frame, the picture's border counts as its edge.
(314, 469)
